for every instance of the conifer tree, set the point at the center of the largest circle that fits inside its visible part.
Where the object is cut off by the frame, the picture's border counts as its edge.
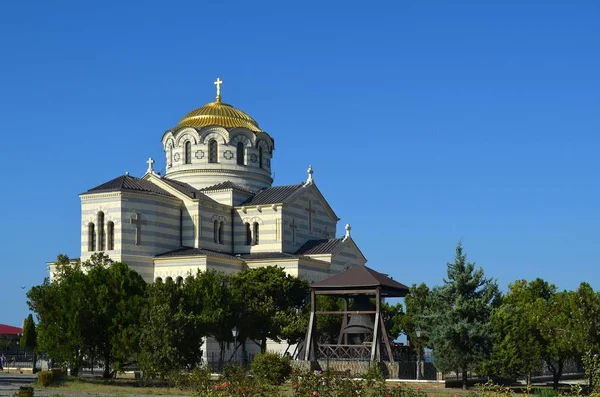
(459, 328)
(29, 337)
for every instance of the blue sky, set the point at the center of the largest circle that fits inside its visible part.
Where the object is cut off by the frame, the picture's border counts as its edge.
(426, 122)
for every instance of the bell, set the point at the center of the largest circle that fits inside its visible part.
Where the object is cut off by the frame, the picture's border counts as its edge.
(360, 324)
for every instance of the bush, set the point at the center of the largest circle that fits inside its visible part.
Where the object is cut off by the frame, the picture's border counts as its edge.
(271, 368)
(24, 391)
(45, 378)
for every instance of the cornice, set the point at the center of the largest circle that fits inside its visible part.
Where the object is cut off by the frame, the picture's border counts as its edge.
(221, 171)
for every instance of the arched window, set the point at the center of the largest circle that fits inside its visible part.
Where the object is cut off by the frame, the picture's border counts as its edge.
(216, 231)
(179, 281)
(221, 228)
(248, 234)
(110, 236)
(91, 237)
(213, 148)
(100, 223)
(188, 152)
(240, 153)
(158, 280)
(169, 280)
(255, 233)
(260, 157)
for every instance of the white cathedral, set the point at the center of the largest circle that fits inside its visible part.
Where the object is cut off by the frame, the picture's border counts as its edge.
(215, 208)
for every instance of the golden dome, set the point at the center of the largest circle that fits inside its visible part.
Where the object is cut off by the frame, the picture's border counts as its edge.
(218, 113)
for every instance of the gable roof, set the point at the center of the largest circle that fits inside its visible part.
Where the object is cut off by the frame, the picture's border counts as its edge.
(323, 246)
(190, 251)
(362, 277)
(183, 187)
(9, 330)
(223, 186)
(129, 183)
(273, 195)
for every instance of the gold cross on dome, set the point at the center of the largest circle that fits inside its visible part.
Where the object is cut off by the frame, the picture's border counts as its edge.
(218, 84)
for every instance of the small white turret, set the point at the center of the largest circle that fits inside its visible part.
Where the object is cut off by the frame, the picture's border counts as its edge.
(310, 175)
(348, 228)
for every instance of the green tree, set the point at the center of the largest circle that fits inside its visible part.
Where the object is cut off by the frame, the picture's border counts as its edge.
(87, 310)
(118, 297)
(29, 337)
(209, 298)
(459, 326)
(64, 311)
(265, 298)
(559, 331)
(520, 347)
(585, 315)
(171, 334)
(418, 305)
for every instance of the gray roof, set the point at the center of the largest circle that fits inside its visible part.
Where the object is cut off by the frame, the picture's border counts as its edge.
(362, 277)
(273, 195)
(268, 255)
(190, 251)
(324, 246)
(225, 185)
(183, 187)
(130, 184)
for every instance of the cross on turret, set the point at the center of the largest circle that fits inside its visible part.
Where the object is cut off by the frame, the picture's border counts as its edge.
(218, 83)
(150, 163)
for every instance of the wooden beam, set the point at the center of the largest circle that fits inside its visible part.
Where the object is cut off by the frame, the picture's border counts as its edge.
(376, 331)
(308, 349)
(375, 337)
(346, 292)
(386, 340)
(348, 312)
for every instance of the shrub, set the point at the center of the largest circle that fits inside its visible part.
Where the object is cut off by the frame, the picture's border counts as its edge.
(24, 391)
(200, 381)
(545, 393)
(271, 368)
(45, 378)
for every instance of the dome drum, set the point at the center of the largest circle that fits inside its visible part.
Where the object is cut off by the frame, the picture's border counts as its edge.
(217, 143)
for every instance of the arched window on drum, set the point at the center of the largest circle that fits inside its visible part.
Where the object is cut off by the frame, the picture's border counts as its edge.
(188, 152)
(213, 151)
(240, 153)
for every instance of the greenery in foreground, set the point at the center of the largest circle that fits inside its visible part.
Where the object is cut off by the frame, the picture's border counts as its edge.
(102, 311)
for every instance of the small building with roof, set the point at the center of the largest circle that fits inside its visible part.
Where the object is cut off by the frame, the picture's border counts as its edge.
(10, 333)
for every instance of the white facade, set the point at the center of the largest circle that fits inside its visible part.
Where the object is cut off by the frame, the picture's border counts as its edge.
(215, 209)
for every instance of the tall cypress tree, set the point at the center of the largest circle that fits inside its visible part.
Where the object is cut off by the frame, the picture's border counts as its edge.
(460, 330)
(29, 337)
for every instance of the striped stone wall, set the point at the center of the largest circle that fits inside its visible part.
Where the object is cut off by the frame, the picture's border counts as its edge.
(348, 256)
(268, 218)
(160, 230)
(208, 214)
(296, 213)
(110, 204)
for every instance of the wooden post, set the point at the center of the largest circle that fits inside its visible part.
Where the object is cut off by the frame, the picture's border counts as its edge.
(386, 340)
(309, 349)
(375, 345)
(343, 337)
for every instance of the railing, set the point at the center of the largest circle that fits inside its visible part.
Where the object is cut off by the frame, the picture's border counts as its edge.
(216, 364)
(345, 352)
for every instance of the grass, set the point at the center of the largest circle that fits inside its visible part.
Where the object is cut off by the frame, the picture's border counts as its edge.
(114, 386)
(126, 387)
